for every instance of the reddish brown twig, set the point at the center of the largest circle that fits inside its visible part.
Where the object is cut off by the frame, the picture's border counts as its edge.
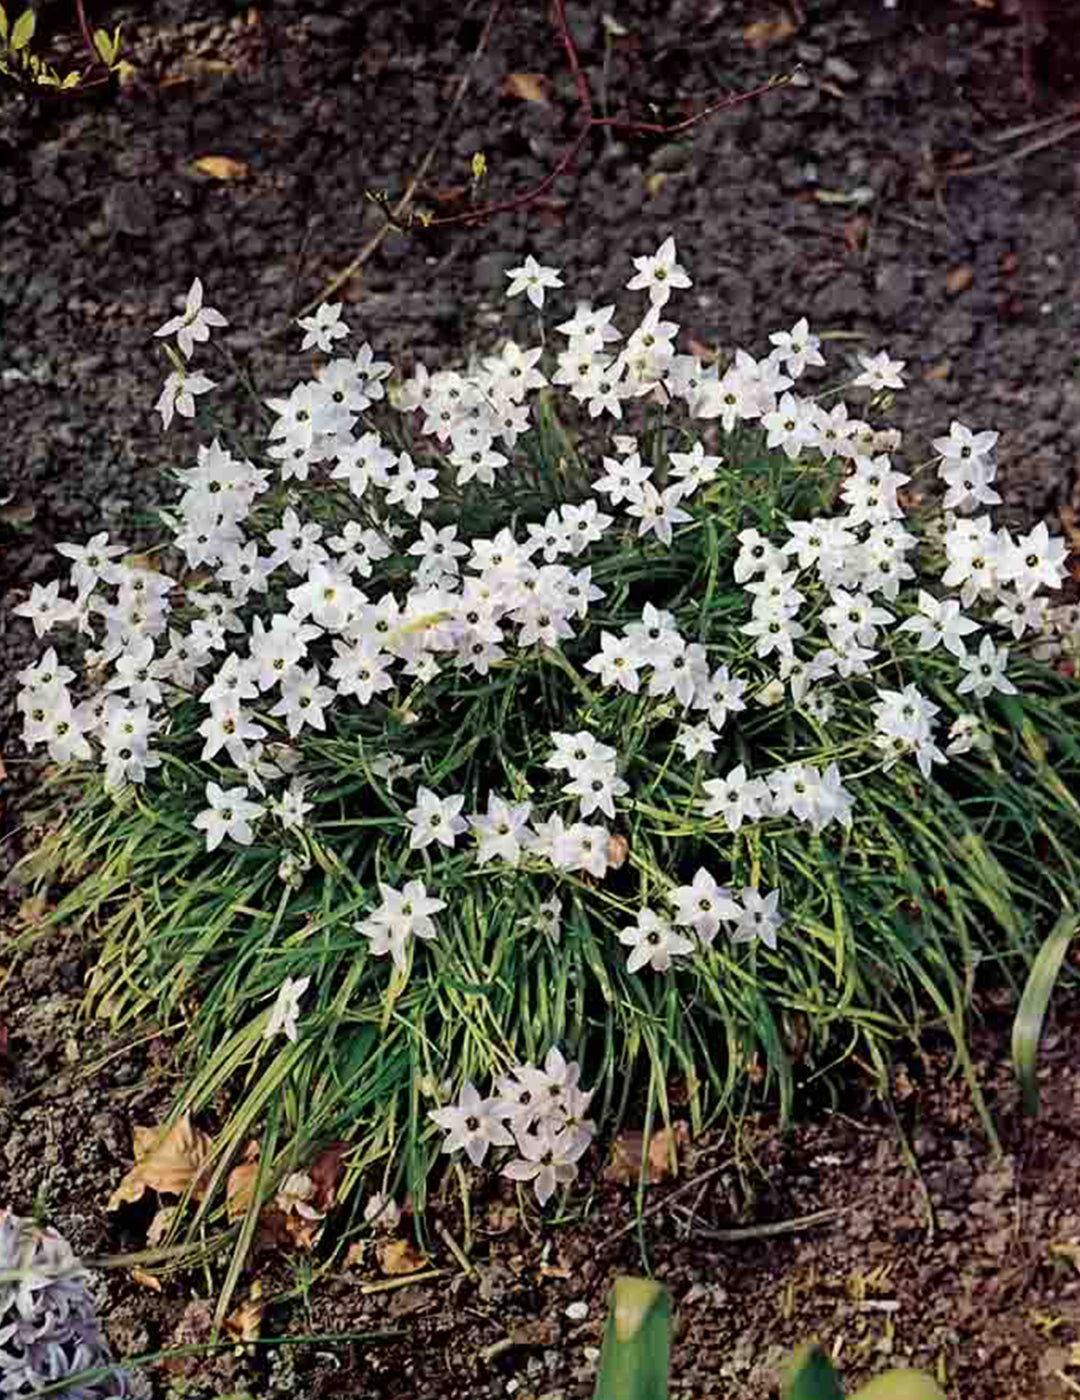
(88, 38)
(593, 123)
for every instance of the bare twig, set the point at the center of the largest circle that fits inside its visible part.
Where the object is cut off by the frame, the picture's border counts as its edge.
(1020, 153)
(1026, 128)
(759, 1232)
(691, 1185)
(88, 38)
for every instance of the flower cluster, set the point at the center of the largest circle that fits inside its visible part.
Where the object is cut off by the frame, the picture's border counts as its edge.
(49, 1328)
(538, 1111)
(278, 626)
(700, 907)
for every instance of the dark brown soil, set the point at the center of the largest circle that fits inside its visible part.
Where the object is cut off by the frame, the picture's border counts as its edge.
(894, 194)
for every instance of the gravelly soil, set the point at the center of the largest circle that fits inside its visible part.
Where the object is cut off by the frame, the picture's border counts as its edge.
(853, 196)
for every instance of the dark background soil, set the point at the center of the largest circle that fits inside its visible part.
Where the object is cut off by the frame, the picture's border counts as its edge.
(892, 195)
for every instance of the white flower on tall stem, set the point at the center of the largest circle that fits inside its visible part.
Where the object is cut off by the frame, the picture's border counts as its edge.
(194, 322)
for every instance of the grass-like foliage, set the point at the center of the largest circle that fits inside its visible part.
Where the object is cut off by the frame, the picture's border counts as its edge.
(706, 838)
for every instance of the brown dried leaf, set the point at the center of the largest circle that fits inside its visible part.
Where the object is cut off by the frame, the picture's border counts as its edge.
(326, 1173)
(146, 1280)
(664, 1151)
(855, 230)
(243, 1324)
(221, 167)
(764, 33)
(304, 1234)
(241, 1182)
(166, 1162)
(399, 1257)
(940, 371)
(18, 511)
(527, 87)
(160, 1225)
(618, 848)
(624, 1164)
(354, 1255)
(959, 279)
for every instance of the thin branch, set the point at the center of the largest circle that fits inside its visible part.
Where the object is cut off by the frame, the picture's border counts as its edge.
(1020, 153)
(88, 38)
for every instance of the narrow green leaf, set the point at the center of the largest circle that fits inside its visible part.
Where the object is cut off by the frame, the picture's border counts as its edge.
(810, 1376)
(23, 31)
(3, 24)
(635, 1358)
(1027, 1028)
(103, 44)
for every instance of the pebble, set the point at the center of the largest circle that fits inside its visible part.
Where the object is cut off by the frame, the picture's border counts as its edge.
(841, 70)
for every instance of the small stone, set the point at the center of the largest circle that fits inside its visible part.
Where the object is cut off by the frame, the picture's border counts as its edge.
(577, 1312)
(841, 69)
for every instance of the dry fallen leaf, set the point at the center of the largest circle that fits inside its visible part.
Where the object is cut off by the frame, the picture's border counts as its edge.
(354, 1255)
(165, 1162)
(618, 848)
(221, 167)
(145, 1280)
(325, 1173)
(528, 87)
(18, 511)
(243, 1324)
(624, 1164)
(940, 371)
(241, 1182)
(399, 1257)
(764, 33)
(855, 230)
(160, 1225)
(959, 279)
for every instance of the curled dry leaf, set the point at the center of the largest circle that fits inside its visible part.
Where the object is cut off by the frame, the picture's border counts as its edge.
(166, 1162)
(243, 1324)
(146, 1280)
(528, 87)
(624, 1164)
(18, 511)
(241, 1182)
(325, 1173)
(221, 167)
(160, 1225)
(618, 848)
(399, 1257)
(764, 33)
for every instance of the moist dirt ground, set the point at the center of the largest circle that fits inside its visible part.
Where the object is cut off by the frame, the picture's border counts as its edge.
(914, 187)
